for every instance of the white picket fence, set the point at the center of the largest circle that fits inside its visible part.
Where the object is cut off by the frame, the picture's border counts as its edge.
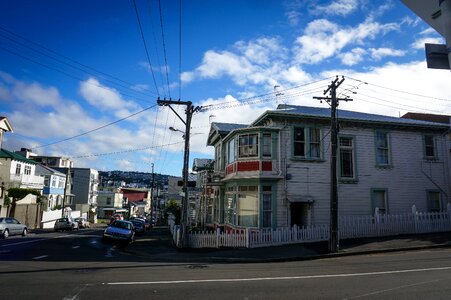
(349, 227)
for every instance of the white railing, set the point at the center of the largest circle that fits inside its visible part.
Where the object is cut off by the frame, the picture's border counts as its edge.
(349, 227)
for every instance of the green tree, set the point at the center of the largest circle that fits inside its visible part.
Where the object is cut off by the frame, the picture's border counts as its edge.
(19, 193)
(174, 208)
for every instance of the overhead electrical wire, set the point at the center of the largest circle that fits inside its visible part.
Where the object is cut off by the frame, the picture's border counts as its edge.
(58, 57)
(145, 47)
(164, 48)
(125, 151)
(95, 129)
(396, 90)
(68, 74)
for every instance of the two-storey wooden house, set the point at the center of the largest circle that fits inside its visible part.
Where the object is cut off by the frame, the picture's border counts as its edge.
(275, 172)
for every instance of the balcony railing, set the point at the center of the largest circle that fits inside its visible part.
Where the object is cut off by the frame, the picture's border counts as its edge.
(25, 180)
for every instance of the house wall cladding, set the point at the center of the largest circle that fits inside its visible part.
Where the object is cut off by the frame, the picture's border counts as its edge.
(406, 180)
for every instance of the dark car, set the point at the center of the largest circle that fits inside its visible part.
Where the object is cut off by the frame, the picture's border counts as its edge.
(10, 226)
(139, 226)
(120, 231)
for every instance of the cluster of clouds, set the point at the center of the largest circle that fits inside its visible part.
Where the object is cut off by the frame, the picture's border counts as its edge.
(324, 48)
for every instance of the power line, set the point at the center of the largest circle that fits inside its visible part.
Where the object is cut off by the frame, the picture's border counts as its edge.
(399, 91)
(66, 58)
(95, 129)
(164, 48)
(145, 46)
(67, 74)
(125, 151)
(180, 50)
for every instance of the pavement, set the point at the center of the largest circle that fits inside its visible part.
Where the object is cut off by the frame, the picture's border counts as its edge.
(157, 245)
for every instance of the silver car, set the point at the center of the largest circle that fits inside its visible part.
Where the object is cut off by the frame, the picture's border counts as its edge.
(119, 230)
(10, 226)
(65, 224)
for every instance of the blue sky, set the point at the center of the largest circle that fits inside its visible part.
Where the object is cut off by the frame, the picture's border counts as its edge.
(68, 67)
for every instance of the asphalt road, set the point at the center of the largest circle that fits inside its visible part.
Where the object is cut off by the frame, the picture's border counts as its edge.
(77, 265)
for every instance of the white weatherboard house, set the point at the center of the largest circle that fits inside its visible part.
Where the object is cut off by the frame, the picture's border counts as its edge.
(275, 172)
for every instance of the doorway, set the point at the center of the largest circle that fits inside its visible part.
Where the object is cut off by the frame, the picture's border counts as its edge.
(299, 214)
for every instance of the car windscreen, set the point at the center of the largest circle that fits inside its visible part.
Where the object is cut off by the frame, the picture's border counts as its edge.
(122, 225)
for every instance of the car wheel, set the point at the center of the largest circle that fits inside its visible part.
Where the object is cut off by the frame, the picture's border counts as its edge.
(24, 232)
(6, 234)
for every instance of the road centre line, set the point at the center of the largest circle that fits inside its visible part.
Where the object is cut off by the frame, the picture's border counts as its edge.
(40, 257)
(279, 278)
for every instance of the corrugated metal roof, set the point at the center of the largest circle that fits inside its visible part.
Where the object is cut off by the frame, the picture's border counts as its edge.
(345, 115)
(15, 156)
(227, 127)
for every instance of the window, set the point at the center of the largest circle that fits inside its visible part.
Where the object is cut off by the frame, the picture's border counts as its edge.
(46, 180)
(382, 149)
(299, 142)
(108, 201)
(347, 157)
(247, 206)
(267, 147)
(379, 197)
(434, 203)
(18, 169)
(231, 151)
(266, 206)
(307, 142)
(27, 170)
(248, 145)
(218, 157)
(429, 146)
(54, 182)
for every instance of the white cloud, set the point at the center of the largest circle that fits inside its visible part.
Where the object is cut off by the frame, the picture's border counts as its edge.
(353, 57)
(336, 8)
(322, 39)
(379, 53)
(35, 94)
(140, 87)
(105, 98)
(419, 43)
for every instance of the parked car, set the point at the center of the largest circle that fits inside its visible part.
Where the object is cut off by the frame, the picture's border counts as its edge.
(139, 226)
(65, 224)
(10, 226)
(82, 222)
(119, 230)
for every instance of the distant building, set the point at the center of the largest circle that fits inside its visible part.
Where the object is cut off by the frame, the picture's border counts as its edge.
(54, 182)
(109, 203)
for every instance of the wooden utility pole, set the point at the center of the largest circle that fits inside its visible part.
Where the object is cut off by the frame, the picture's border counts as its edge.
(190, 110)
(151, 192)
(333, 101)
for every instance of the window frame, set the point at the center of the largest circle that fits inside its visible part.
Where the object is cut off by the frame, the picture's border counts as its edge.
(248, 147)
(269, 209)
(353, 148)
(373, 199)
(18, 169)
(429, 200)
(266, 144)
(426, 146)
(307, 143)
(378, 148)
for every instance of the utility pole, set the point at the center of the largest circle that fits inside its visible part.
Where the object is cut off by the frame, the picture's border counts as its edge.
(65, 191)
(333, 101)
(190, 110)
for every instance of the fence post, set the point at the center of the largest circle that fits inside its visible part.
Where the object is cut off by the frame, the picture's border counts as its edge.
(448, 209)
(377, 220)
(218, 236)
(415, 218)
(247, 237)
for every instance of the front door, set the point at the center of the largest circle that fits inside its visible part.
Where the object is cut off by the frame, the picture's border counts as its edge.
(299, 214)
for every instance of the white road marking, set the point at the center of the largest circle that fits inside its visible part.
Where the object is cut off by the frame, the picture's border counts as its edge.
(75, 247)
(278, 278)
(392, 289)
(76, 292)
(38, 240)
(40, 257)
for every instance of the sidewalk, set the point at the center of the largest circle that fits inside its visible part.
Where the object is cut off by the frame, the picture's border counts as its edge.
(157, 246)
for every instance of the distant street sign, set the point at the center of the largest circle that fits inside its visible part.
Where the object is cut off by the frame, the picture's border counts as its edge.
(437, 56)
